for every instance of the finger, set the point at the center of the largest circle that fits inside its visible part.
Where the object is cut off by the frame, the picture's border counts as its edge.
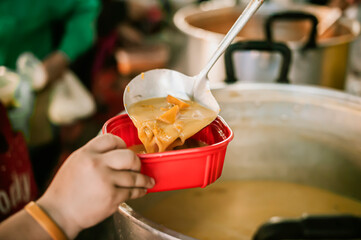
(105, 143)
(130, 179)
(123, 194)
(122, 159)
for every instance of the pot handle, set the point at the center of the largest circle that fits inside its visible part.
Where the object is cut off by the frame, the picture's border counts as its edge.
(293, 15)
(260, 46)
(311, 227)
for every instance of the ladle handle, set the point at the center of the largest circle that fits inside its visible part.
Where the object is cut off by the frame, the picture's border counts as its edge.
(247, 13)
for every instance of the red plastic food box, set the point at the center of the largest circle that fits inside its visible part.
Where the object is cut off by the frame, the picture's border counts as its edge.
(179, 169)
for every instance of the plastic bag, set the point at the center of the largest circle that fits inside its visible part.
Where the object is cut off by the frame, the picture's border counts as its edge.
(70, 101)
(32, 68)
(9, 82)
(17, 95)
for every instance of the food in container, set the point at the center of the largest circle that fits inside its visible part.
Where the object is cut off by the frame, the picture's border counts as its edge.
(165, 123)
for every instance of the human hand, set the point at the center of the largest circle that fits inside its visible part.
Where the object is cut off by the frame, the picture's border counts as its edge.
(92, 182)
(41, 73)
(55, 65)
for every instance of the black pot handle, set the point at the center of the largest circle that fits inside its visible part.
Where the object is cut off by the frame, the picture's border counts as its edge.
(261, 46)
(312, 227)
(293, 15)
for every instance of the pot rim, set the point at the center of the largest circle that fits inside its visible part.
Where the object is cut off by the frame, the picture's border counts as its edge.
(180, 22)
(149, 225)
(349, 100)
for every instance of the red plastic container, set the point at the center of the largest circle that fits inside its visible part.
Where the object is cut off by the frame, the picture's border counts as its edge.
(179, 169)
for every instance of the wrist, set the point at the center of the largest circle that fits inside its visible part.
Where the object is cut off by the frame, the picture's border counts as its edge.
(55, 65)
(59, 216)
(45, 221)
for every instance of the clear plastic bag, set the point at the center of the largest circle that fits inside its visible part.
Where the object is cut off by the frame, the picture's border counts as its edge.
(70, 100)
(17, 95)
(9, 82)
(32, 68)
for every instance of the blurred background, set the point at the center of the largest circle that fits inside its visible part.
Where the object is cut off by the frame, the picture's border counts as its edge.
(65, 65)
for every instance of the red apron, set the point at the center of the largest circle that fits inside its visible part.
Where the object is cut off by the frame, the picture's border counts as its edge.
(17, 183)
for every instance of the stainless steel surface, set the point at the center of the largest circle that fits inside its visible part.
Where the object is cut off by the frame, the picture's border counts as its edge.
(302, 134)
(325, 65)
(130, 225)
(161, 82)
(247, 13)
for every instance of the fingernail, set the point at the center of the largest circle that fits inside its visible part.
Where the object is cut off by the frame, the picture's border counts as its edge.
(152, 181)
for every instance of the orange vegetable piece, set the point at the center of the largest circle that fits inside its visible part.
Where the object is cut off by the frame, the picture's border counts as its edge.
(170, 116)
(176, 101)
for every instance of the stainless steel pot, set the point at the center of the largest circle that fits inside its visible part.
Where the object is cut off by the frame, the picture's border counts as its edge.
(291, 133)
(324, 63)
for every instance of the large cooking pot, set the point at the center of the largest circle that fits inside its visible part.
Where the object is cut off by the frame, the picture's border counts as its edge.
(298, 134)
(317, 58)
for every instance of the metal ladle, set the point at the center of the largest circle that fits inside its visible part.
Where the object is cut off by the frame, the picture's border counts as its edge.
(161, 82)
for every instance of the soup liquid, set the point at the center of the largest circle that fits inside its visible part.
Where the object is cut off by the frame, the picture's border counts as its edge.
(236, 209)
(189, 143)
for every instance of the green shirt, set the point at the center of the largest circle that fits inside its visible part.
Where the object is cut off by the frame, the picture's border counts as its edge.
(26, 25)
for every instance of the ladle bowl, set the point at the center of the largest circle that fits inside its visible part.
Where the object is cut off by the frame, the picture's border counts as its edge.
(161, 82)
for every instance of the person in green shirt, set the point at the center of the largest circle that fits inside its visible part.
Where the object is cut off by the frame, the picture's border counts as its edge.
(28, 26)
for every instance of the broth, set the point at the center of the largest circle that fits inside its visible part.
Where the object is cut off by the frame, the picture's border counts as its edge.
(236, 209)
(189, 143)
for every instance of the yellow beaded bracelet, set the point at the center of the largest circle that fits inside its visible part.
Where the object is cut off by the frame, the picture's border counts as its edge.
(45, 221)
